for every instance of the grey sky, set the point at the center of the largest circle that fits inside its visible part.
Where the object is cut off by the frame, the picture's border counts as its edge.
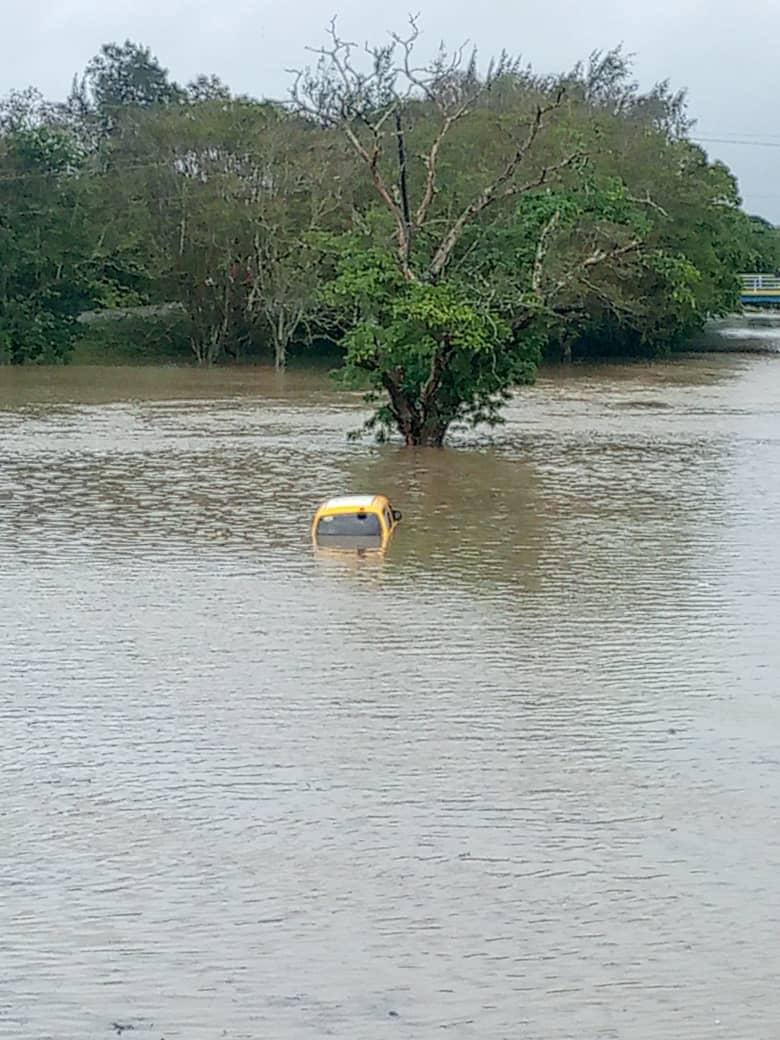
(726, 53)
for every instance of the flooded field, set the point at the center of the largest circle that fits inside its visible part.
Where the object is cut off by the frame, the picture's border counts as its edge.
(518, 778)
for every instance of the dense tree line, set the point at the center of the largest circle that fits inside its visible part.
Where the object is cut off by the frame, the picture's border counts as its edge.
(445, 225)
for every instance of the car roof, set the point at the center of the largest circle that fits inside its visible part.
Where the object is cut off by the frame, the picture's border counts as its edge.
(351, 502)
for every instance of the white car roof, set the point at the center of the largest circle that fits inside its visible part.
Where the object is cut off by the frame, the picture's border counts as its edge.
(350, 502)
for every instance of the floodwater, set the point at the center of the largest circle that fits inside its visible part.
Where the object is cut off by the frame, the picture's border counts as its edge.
(519, 778)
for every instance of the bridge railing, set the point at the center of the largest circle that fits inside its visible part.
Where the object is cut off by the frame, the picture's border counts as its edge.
(760, 283)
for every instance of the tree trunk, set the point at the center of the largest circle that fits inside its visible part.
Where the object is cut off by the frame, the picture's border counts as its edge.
(566, 348)
(417, 421)
(419, 432)
(281, 338)
(433, 436)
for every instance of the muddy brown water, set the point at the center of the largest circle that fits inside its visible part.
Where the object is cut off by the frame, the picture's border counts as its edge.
(520, 778)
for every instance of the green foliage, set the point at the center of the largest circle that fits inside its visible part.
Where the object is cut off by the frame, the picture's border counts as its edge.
(128, 74)
(266, 227)
(436, 349)
(760, 243)
(54, 260)
(30, 332)
(44, 151)
(134, 340)
(43, 284)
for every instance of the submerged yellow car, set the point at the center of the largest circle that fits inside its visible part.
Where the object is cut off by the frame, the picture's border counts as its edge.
(354, 522)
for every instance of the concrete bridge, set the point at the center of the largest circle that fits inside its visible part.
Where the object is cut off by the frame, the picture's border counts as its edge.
(760, 290)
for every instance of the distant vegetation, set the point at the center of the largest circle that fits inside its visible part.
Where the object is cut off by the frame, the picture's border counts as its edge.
(446, 224)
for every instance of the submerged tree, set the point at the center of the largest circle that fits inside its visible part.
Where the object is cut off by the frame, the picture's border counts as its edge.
(490, 223)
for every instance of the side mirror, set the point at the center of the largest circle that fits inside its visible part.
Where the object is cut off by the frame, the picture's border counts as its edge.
(397, 515)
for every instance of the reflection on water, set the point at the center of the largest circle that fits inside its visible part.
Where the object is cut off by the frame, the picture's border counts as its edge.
(518, 776)
(347, 546)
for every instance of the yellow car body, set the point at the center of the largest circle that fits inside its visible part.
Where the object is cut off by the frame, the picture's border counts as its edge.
(354, 522)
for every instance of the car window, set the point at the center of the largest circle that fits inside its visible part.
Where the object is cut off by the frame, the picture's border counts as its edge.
(388, 519)
(351, 524)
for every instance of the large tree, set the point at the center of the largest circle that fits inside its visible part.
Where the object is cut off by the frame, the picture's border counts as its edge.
(491, 225)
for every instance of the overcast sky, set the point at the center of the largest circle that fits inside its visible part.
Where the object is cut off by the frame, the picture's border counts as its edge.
(725, 52)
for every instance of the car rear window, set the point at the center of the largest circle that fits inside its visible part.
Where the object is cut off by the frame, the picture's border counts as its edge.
(351, 524)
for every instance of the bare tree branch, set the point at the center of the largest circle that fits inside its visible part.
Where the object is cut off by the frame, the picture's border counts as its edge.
(647, 201)
(614, 305)
(499, 189)
(367, 100)
(438, 364)
(431, 160)
(541, 252)
(598, 256)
